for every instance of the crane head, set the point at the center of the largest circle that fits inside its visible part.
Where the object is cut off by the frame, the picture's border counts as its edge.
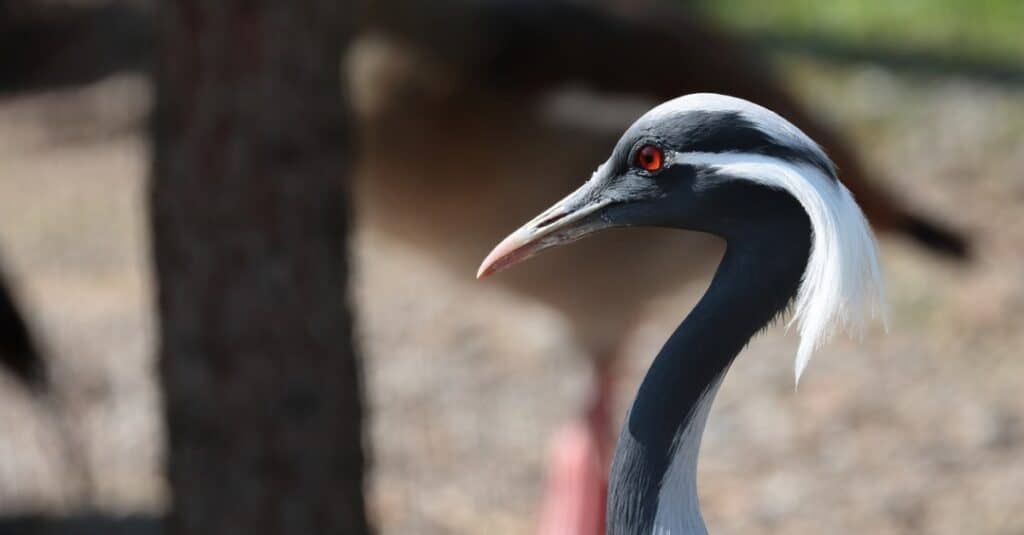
(663, 172)
(728, 167)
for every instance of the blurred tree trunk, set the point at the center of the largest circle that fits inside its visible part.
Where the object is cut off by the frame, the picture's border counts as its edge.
(249, 206)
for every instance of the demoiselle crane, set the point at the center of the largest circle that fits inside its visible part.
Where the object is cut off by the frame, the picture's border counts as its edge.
(445, 89)
(793, 236)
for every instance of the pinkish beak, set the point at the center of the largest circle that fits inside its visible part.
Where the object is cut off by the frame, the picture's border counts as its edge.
(560, 224)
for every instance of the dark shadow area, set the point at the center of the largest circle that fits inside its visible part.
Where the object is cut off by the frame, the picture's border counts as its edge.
(18, 351)
(66, 45)
(910, 61)
(69, 46)
(87, 524)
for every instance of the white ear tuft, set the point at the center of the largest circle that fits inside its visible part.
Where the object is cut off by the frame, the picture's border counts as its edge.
(841, 288)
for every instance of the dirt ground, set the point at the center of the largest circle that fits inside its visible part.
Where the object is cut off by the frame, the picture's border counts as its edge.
(920, 430)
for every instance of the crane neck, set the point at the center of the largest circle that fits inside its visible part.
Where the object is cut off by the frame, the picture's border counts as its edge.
(652, 486)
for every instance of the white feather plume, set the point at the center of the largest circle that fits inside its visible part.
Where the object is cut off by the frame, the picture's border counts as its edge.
(842, 285)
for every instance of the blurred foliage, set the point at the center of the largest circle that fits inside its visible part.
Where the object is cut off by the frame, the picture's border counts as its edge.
(981, 30)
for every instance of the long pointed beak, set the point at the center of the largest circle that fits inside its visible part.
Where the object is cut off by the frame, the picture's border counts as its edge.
(566, 221)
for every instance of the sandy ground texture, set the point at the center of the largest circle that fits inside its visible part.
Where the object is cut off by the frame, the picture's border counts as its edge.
(920, 430)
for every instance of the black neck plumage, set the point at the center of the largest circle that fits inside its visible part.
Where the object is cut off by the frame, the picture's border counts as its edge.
(756, 280)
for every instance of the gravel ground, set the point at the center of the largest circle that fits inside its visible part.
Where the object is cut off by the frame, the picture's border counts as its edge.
(920, 430)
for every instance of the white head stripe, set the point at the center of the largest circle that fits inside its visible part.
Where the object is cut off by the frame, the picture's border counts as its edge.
(778, 128)
(842, 284)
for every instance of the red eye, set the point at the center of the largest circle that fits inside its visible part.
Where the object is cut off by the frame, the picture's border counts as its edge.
(650, 158)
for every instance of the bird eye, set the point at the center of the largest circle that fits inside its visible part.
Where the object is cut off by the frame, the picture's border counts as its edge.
(650, 158)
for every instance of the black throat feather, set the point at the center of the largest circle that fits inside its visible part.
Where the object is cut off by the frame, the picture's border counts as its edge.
(756, 281)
